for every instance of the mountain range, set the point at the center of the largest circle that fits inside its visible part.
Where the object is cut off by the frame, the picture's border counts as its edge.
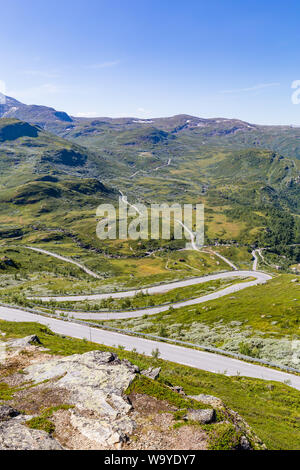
(51, 162)
(231, 133)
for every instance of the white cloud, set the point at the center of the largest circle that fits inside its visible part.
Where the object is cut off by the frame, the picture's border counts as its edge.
(41, 73)
(104, 65)
(259, 86)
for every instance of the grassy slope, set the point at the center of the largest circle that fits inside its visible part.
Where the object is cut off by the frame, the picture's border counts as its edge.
(39, 274)
(231, 183)
(271, 308)
(146, 300)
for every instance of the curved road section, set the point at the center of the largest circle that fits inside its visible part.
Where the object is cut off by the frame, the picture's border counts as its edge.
(164, 308)
(260, 278)
(188, 357)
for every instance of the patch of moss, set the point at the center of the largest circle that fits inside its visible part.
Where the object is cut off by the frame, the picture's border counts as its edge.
(41, 423)
(160, 391)
(223, 436)
(48, 412)
(6, 392)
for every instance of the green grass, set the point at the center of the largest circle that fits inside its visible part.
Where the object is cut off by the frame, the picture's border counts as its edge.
(223, 436)
(143, 300)
(31, 273)
(270, 408)
(161, 392)
(271, 308)
(41, 423)
(6, 392)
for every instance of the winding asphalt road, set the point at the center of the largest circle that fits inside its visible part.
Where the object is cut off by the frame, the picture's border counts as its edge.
(260, 278)
(181, 355)
(190, 357)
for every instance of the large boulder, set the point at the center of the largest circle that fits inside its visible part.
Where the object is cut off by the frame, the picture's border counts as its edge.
(202, 416)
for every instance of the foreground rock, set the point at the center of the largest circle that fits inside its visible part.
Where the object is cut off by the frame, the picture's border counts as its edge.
(81, 401)
(151, 373)
(7, 412)
(23, 343)
(96, 382)
(241, 426)
(202, 416)
(15, 435)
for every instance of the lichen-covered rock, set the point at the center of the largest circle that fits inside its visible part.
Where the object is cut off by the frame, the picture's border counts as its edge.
(201, 416)
(208, 399)
(7, 412)
(96, 382)
(244, 443)
(107, 433)
(23, 343)
(15, 435)
(3, 353)
(151, 373)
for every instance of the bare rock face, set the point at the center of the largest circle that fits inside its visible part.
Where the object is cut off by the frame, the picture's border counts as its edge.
(151, 373)
(202, 416)
(23, 343)
(15, 435)
(95, 381)
(179, 390)
(208, 399)
(7, 412)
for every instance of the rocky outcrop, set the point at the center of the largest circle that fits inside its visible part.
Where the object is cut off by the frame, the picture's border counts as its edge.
(7, 412)
(15, 435)
(208, 399)
(81, 401)
(23, 343)
(96, 382)
(201, 416)
(151, 373)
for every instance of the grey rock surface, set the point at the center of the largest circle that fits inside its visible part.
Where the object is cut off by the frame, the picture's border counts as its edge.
(151, 373)
(208, 399)
(24, 342)
(96, 382)
(7, 412)
(15, 435)
(201, 416)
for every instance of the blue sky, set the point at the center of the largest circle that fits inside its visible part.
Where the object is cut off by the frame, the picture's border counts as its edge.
(150, 58)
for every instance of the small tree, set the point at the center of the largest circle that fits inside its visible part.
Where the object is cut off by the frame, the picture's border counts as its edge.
(155, 353)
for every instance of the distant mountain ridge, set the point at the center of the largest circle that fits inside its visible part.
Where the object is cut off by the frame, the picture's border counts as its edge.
(35, 114)
(99, 133)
